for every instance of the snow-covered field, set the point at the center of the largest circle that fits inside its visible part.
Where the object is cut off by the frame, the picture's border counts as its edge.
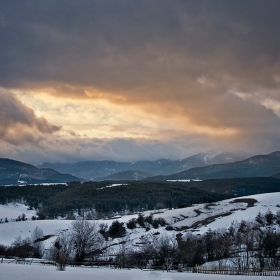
(220, 214)
(35, 272)
(13, 210)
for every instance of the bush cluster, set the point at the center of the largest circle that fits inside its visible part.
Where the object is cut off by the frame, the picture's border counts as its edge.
(145, 222)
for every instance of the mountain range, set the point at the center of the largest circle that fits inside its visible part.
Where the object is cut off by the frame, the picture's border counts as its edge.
(99, 170)
(256, 166)
(13, 172)
(200, 166)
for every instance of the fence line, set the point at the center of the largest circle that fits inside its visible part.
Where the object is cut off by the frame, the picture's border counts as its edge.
(27, 261)
(237, 271)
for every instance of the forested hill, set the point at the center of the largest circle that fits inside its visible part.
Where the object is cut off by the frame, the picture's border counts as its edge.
(256, 166)
(133, 196)
(126, 175)
(12, 171)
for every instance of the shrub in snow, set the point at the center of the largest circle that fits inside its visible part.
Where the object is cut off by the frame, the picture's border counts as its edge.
(149, 219)
(131, 224)
(260, 218)
(117, 229)
(155, 224)
(169, 228)
(160, 221)
(103, 228)
(140, 220)
(269, 217)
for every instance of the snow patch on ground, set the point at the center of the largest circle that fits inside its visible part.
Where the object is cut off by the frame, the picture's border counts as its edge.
(113, 185)
(23, 183)
(184, 180)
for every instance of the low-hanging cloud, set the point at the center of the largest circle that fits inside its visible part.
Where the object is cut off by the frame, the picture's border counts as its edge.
(19, 124)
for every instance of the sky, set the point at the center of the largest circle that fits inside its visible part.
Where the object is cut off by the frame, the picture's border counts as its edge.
(135, 80)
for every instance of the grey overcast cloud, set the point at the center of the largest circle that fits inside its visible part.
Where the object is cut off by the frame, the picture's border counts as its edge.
(130, 80)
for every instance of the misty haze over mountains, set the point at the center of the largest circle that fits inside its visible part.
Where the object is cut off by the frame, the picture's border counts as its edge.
(98, 170)
(200, 166)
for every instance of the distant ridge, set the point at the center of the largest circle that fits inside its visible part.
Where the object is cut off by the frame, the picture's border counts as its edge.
(256, 166)
(126, 175)
(12, 172)
(95, 170)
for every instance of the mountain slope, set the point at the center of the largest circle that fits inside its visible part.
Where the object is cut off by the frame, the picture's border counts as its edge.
(205, 159)
(256, 166)
(12, 171)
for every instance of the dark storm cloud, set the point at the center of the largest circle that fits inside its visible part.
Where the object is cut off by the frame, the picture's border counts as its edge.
(19, 124)
(122, 44)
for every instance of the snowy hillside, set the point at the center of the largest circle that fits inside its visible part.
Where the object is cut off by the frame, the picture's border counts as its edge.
(197, 218)
(12, 210)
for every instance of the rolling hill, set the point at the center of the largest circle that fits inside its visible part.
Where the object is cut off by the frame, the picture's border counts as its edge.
(199, 218)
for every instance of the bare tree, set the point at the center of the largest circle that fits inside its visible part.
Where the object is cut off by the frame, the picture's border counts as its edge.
(124, 251)
(61, 252)
(38, 245)
(190, 249)
(85, 238)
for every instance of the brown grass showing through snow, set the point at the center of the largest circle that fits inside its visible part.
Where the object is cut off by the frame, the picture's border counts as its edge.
(250, 201)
